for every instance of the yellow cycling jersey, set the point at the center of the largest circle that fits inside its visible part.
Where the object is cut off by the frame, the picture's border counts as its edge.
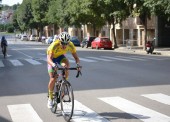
(56, 49)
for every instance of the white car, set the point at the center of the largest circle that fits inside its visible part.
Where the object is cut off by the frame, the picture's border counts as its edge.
(33, 38)
(55, 37)
(24, 38)
(49, 40)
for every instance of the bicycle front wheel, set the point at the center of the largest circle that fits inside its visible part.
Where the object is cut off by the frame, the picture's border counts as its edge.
(67, 101)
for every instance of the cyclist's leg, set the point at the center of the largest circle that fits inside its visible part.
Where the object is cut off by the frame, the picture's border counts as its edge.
(52, 77)
(51, 82)
(65, 62)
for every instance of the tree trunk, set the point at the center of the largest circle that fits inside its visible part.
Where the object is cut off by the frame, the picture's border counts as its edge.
(146, 31)
(114, 36)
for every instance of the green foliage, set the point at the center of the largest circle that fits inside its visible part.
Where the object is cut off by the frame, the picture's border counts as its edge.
(39, 10)
(10, 29)
(159, 7)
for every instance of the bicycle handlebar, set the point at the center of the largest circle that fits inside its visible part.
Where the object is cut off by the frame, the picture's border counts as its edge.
(71, 68)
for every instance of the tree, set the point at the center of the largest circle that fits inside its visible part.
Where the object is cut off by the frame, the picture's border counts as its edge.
(112, 11)
(159, 7)
(81, 14)
(39, 12)
(24, 16)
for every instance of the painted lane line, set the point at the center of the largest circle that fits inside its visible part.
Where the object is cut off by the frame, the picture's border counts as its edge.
(162, 98)
(23, 113)
(87, 60)
(84, 114)
(114, 58)
(71, 61)
(140, 112)
(16, 62)
(144, 57)
(34, 62)
(1, 64)
(139, 59)
(101, 59)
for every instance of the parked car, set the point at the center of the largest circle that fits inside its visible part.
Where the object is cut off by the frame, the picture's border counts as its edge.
(24, 38)
(102, 42)
(87, 41)
(33, 38)
(75, 41)
(49, 40)
(55, 37)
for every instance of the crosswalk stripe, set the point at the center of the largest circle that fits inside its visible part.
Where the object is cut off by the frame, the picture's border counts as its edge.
(139, 59)
(84, 114)
(1, 64)
(162, 98)
(16, 62)
(23, 113)
(71, 61)
(100, 59)
(87, 60)
(34, 62)
(114, 58)
(146, 57)
(140, 112)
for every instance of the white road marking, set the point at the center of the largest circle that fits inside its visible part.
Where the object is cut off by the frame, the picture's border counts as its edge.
(87, 60)
(1, 64)
(140, 112)
(139, 59)
(162, 98)
(114, 58)
(16, 62)
(34, 62)
(84, 114)
(102, 59)
(71, 61)
(144, 57)
(23, 113)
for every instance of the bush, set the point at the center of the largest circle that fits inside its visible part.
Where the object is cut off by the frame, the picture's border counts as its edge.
(10, 29)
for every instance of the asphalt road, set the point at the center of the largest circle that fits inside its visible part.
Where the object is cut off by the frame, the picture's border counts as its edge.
(114, 86)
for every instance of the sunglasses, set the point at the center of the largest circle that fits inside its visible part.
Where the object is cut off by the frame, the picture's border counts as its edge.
(64, 43)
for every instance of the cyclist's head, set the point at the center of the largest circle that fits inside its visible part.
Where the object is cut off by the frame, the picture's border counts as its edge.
(64, 37)
(3, 37)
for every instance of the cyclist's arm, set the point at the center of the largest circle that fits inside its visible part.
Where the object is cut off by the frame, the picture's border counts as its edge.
(76, 58)
(49, 59)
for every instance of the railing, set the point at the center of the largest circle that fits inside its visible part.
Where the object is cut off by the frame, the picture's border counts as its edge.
(130, 43)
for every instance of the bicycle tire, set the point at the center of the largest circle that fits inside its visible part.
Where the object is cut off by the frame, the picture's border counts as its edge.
(67, 101)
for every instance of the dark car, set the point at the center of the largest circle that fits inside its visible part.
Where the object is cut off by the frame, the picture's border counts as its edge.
(75, 41)
(87, 41)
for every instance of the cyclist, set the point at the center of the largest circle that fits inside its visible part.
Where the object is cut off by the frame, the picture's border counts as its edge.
(3, 42)
(55, 55)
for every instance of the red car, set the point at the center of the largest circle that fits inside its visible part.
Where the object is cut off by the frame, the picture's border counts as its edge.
(101, 42)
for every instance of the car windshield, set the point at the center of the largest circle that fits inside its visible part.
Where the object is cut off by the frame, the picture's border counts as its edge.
(73, 38)
(105, 39)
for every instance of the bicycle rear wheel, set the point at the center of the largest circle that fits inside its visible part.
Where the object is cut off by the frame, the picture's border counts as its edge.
(67, 101)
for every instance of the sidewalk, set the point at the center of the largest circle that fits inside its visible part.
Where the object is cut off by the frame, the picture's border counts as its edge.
(139, 50)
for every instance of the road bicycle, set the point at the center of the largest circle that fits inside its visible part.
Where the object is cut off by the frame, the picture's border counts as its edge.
(63, 94)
